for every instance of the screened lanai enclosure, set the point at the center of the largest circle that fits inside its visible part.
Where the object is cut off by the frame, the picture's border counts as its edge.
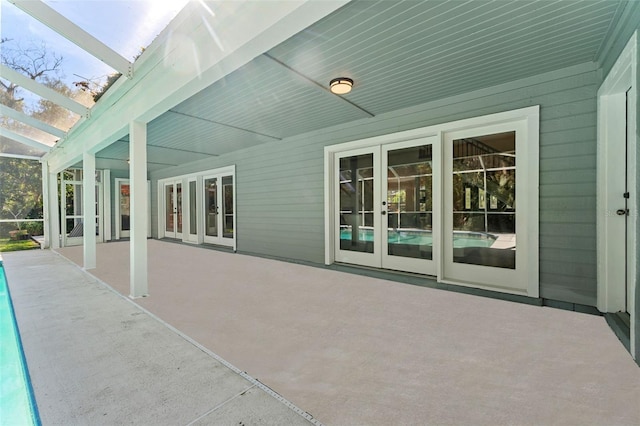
(487, 147)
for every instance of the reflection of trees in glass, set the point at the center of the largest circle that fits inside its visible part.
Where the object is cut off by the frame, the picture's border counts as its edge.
(482, 171)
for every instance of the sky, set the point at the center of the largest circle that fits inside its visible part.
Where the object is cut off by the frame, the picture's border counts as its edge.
(125, 26)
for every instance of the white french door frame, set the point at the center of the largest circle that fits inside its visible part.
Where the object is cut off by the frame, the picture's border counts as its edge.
(65, 240)
(617, 115)
(527, 117)
(175, 183)
(120, 233)
(515, 280)
(185, 181)
(362, 258)
(408, 264)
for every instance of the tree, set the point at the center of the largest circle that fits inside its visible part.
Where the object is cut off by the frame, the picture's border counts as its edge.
(20, 179)
(34, 60)
(20, 189)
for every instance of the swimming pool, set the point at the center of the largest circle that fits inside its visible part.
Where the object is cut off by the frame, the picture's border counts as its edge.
(423, 238)
(17, 404)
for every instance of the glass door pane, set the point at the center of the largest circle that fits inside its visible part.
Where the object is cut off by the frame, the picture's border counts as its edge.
(169, 209)
(356, 203)
(124, 207)
(484, 200)
(179, 207)
(227, 204)
(211, 206)
(193, 216)
(410, 202)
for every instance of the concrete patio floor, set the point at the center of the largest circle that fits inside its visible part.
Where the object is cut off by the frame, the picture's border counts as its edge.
(96, 358)
(355, 350)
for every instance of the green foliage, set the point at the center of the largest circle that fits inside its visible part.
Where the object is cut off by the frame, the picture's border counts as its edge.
(11, 245)
(20, 189)
(34, 228)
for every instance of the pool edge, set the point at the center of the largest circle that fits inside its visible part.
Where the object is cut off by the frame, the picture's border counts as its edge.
(35, 414)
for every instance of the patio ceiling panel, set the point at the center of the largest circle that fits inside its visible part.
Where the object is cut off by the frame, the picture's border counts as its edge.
(270, 99)
(194, 134)
(156, 155)
(403, 54)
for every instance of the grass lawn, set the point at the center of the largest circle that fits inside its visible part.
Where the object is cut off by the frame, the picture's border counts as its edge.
(12, 245)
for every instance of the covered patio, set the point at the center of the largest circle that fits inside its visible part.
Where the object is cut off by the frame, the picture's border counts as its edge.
(351, 349)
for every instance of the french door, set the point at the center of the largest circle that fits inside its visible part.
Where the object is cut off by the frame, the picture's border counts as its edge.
(123, 214)
(72, 216)
(384, 206)
(219, 219)
(173, 209)
(123, 208)
(199, 207)
(441, 201)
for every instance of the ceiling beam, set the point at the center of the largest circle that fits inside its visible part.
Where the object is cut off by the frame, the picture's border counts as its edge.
(52, 19)
(150, 145)
(33, 122)
(43, 91)
(253, 132)
(24, 140)
(20, 156)
(314, 83)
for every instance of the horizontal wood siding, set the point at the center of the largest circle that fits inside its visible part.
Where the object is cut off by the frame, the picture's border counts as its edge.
(280, 184)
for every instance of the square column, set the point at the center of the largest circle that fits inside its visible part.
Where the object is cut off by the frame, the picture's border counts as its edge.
(138, 209)
(89, 209)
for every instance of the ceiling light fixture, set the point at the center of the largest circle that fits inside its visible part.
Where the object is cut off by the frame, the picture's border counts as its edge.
(340, 85)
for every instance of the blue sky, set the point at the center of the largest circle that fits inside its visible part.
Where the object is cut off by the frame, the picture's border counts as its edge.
(125, 26)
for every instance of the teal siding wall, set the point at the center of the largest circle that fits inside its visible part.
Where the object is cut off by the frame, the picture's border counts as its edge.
(280, 204)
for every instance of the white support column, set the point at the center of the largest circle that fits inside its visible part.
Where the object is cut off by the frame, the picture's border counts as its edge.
(51, 214)
(138, 208)
(45, 205)
(89, 209)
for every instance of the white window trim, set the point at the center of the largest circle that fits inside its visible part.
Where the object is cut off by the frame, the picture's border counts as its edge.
(530, 116)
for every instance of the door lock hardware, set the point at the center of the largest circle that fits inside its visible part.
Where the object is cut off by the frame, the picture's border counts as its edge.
(622, 212)
(625, 195)
(384, 212)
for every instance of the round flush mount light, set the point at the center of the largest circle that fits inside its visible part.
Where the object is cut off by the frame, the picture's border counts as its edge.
(340, 85)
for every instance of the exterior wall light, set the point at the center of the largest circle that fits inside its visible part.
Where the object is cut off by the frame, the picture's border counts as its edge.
(340, 85)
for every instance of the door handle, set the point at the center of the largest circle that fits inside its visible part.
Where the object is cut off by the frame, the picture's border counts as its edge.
(622, 212)
(384, 212)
